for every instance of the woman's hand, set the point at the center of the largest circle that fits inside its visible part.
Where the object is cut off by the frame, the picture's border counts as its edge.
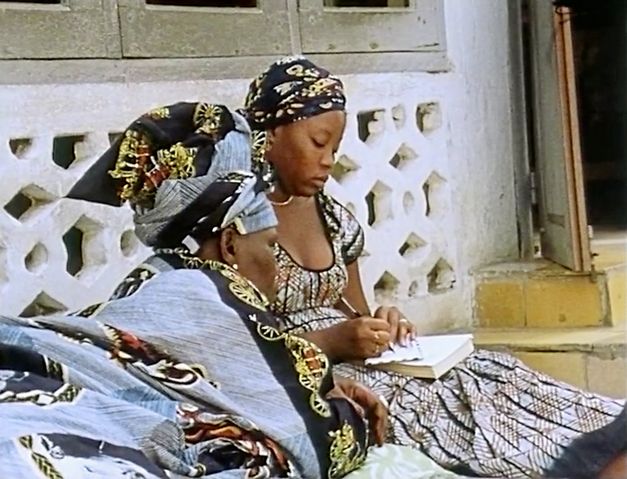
(401, 330)
(353, 339)
(367, 404)
(361, 338)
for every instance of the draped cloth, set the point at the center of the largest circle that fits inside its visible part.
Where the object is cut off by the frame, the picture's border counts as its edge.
(165, 164)
(184, 374)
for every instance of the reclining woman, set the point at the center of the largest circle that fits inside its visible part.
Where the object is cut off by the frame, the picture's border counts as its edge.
(186, 373)
(491, 415)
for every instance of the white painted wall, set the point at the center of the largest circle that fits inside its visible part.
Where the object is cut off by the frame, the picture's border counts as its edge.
(466, 153)
(480, 143)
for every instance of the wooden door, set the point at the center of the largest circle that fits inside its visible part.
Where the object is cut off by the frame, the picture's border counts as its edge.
(563, 220)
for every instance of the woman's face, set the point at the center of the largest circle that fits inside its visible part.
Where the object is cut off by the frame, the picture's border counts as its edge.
(303, 152)
(254, 255)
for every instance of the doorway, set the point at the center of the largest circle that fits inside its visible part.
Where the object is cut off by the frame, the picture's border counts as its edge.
(576, 74)
(599, 41)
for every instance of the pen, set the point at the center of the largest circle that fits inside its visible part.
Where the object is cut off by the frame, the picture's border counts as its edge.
(353, 311)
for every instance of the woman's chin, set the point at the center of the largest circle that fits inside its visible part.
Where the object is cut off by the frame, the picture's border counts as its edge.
(305, 192)
(312, 189)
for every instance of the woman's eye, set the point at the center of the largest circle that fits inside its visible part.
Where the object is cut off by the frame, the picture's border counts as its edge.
(319, 144)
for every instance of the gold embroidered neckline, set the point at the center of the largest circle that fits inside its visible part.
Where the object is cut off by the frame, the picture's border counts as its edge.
(240, 285)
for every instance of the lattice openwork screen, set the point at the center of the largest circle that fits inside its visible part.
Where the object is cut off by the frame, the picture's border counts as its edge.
(392, 173)
(58, 254)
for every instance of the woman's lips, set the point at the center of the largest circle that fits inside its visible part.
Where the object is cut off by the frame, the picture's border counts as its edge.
(320, 180)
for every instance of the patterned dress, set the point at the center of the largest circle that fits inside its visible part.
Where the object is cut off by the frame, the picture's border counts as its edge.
(489, 416)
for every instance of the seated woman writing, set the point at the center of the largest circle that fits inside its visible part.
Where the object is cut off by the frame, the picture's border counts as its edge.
(183, 373)
(491, 415)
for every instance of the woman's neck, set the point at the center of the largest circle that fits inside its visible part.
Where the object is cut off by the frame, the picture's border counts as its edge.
(209, 250)
(279, 198)
(278, 194)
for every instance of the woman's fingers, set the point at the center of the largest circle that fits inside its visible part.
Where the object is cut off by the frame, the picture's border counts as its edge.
(410, 330)
(401, 330)
(371, 336)
(376, 330)
(379, 342)
(389, 316)
(380, 338)
(338, 393)
(377, 413)
(378, 419)
(405, 331)
(376, 324)
(376, 410)
(395, 317)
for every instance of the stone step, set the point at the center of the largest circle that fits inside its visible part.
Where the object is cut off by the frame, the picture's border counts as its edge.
(616, 280)
(610, 257)
(593, 359)
(542, 294)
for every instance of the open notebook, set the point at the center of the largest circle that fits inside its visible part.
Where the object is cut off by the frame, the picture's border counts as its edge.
(428, 357)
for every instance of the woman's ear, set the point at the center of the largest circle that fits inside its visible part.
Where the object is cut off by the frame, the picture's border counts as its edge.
(228, 246)
(270, 137)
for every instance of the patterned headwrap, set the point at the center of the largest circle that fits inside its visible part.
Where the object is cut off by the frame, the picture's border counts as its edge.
(175, 166)
(292, 89)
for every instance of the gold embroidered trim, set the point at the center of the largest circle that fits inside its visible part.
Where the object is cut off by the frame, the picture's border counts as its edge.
(159, 113)
(207, 118)
(41, 461)
(345, 452)
(241, 287)
(142, 173)
(133, 155)
(310, 363)
(259, 147)
(178, 160)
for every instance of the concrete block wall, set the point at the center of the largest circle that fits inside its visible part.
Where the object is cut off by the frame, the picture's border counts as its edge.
(427, 166)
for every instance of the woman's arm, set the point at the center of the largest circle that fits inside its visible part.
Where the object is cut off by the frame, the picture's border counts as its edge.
(400, 328)
(353, 293)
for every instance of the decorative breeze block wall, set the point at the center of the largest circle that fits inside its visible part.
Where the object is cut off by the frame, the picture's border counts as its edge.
(58, 254)
(391, 172)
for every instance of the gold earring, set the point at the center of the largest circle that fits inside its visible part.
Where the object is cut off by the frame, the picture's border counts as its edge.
(267, 145)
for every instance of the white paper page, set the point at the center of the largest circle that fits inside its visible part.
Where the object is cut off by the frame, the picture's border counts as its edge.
(437, 348)
(400, 353)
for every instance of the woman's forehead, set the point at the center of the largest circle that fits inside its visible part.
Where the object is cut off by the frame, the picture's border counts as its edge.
(329, 122)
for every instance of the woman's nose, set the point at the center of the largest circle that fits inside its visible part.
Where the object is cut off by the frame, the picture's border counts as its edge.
(328, 159)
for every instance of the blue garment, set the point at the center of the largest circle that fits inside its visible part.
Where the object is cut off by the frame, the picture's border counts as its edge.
(184, 375)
